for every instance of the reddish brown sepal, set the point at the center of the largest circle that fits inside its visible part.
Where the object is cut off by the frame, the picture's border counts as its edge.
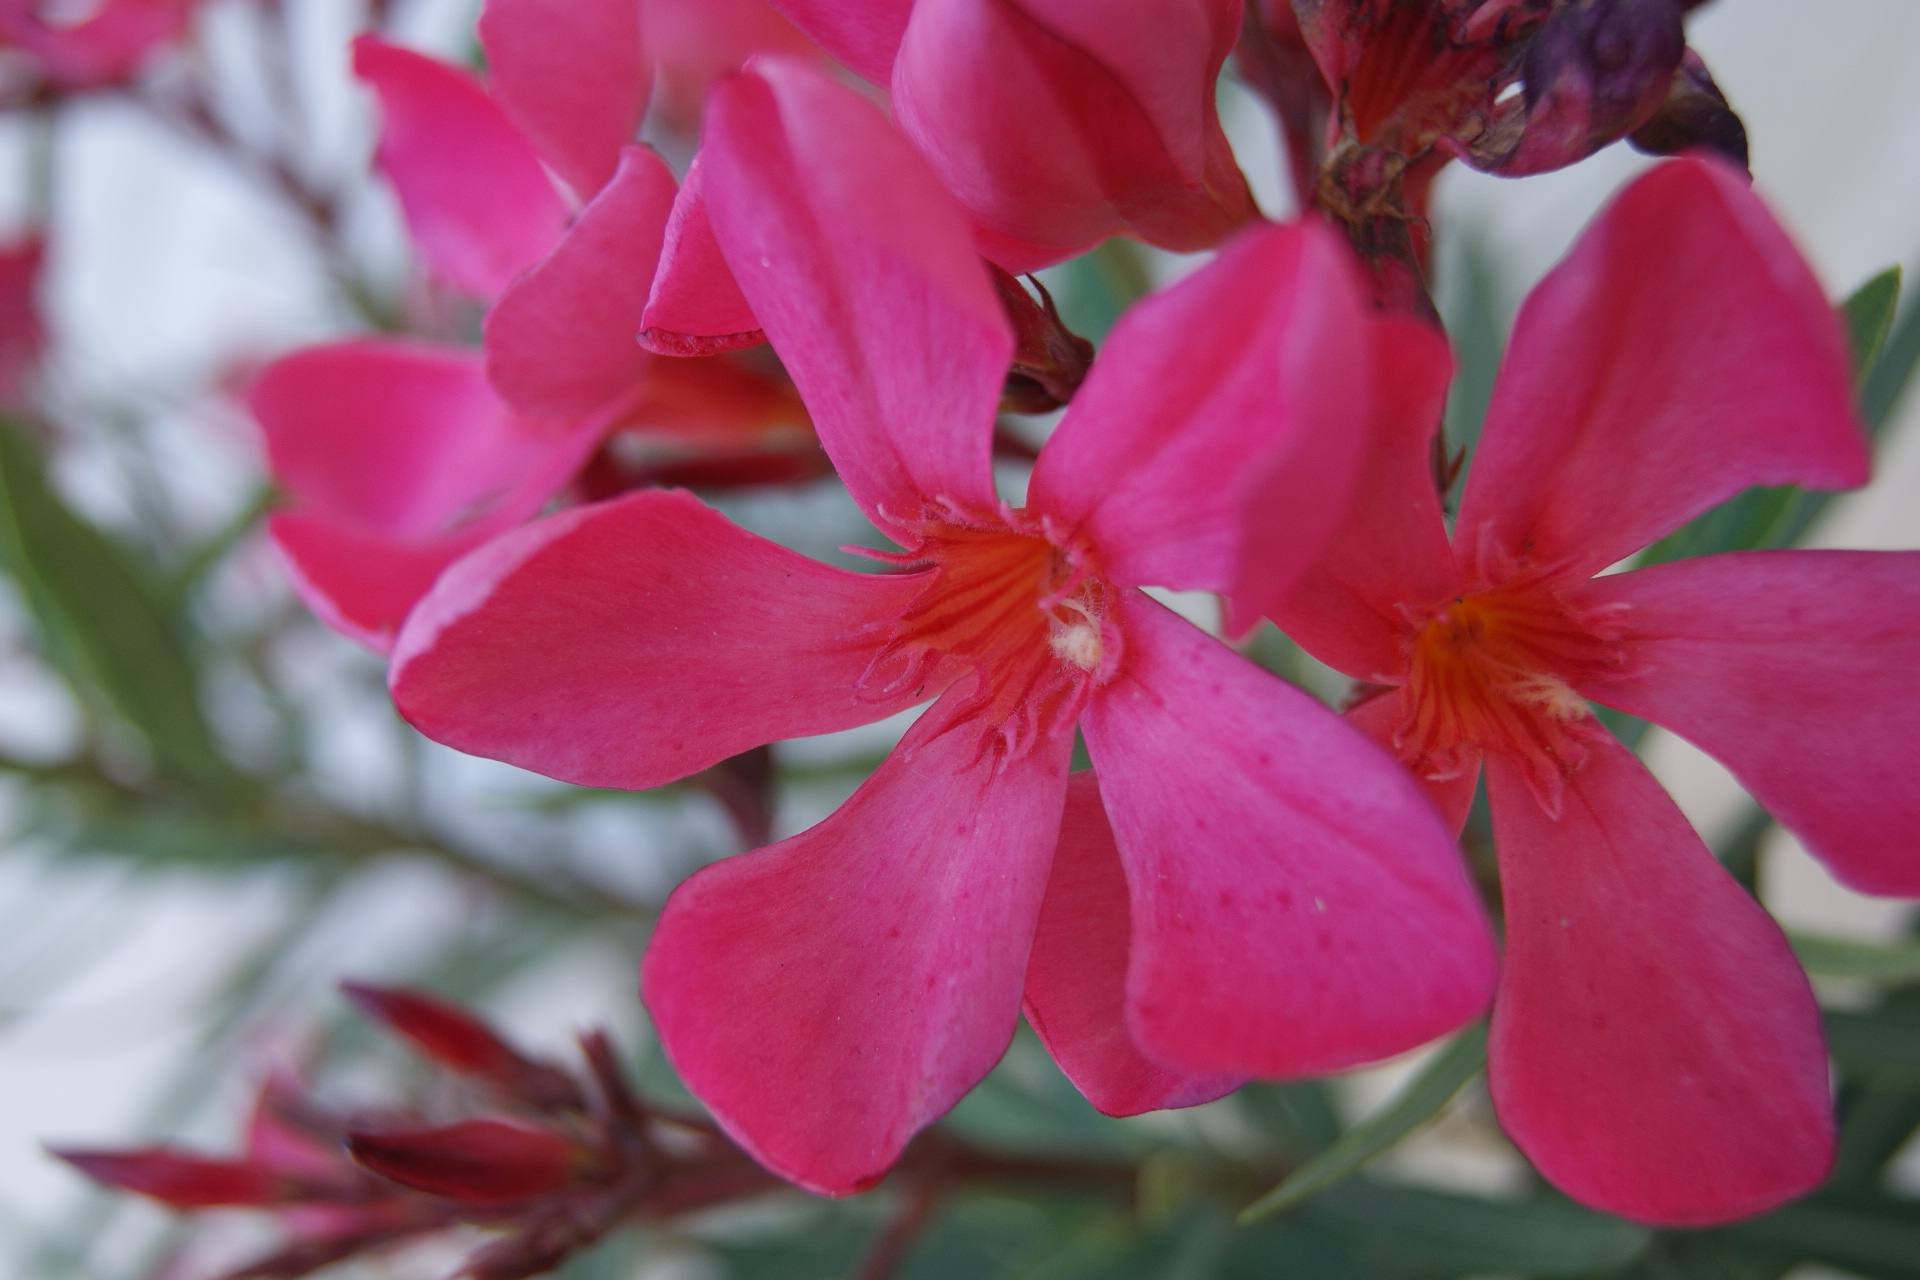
(461, 1042)
(477, 1162)
(181, 1180)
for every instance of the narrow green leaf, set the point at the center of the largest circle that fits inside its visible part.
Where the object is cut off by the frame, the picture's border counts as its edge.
(1879, 1241)
(204, 558)
(1877, 1045)
(1432, 1231)
(1842, 958)
(1880, 393)
(1477, 332)
(1429, 1090)
(1869, 318)
(101, 619)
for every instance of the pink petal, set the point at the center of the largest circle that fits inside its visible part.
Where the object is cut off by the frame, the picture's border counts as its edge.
(364, 584)
(1655, 1050)
(480, 207)
(1077, 974)
(633, 642)
(864, 276)
(1215, 442)
(1297, 907)
(111, 42)
(402, 439)
(574, 76)
(864, 34)
(829, 996)
(1380, 718)
(1797, 670)
(695, 42)
(1060, 122)
(1680, 353)
(695, 308)
(1390, 548)
(560, 342)
(399, 459)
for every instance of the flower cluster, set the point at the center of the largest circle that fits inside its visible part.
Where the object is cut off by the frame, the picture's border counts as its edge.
(1244, 884)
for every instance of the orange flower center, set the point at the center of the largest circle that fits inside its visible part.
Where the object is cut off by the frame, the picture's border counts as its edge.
(1496, 670)
(1022, 617)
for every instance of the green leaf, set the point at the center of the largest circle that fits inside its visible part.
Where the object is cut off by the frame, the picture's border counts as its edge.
(1477, 331)
(1843, 958)
(1429, 1090)
(1876, 1240)
(101, 619)
(1879, 1046)
(1461, 1235)
(1869, 318)
(1297, 1117)
(1880, 393)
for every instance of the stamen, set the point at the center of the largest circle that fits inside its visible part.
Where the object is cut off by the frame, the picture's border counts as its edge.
(1007, 606)
(1496, 671)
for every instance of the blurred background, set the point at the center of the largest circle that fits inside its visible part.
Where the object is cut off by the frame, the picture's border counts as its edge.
(160, 951)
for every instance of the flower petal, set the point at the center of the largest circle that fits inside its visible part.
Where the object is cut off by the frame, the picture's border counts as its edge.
(1655, 1049)
(1390, 548)
(695, 307)
(1077, 974)
(560, 342)
(1061, 122)
(831, 995)
(1214, 444)
(574, 76)
(361, 584)
(695, 43)
(1682, 352)
(400, 459)
(1297, 907)
(864, 34)
(402, 439)
(633, 642)
(109, 42)
(863, 273)
(480, 207)
(1797, 669)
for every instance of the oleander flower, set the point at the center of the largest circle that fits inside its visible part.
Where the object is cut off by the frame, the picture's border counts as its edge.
(1655, 1048)
(1057, 123)
(399, 456)
(103, 45)
(1294, 905)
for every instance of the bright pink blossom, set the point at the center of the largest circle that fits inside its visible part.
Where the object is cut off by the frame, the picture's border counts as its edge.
(1294, 907)
(108, 45)
(1057, 123)
(1655, 1049)
(402, 456)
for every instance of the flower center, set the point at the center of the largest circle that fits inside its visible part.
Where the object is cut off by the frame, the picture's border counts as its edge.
(1006, 607)
(1495, 670)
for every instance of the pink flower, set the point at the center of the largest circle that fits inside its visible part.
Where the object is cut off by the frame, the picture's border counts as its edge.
(1294, 905)
(1655, 1049)
(1057, 123)
(402, 456)
(108, 45)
